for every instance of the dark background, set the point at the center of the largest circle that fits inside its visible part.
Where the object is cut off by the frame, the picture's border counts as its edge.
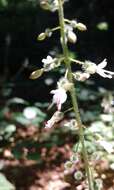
(21, 53)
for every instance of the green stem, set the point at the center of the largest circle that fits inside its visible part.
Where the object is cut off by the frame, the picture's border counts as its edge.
(73, 93)
(56, 28)
(76, 61)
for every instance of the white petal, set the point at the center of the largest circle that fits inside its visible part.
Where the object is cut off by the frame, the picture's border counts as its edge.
(43, 60)
(102, 64)
(60, 96)
(103, 74)
(49, 58)
(53, 91)
(110, 72)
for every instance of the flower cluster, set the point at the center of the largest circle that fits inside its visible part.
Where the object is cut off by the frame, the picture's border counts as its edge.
(70, 26)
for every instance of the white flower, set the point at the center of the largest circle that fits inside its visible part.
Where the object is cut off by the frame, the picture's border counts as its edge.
(50, 63)
(57, 116)
(89, 67)
(59, 97)
(92, 68)
(101, 71)
(54, 5)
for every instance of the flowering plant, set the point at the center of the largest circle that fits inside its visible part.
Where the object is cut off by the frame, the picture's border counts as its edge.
(66, 83)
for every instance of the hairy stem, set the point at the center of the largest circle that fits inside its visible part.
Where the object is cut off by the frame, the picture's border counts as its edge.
(73, 93)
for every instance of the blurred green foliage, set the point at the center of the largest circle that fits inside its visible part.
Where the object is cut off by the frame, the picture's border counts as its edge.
(17, 3)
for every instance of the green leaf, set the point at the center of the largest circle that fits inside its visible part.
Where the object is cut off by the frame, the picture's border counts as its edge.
(19, 117)
(34, 156)
(17, 153)
(36, 74)
(6, 130)
(41, 105)
(17, 101)
(10, 128)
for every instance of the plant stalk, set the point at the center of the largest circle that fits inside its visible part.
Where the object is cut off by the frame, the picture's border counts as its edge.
(73, 93)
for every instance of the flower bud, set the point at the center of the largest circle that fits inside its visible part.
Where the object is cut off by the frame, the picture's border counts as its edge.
(80, 26)
(44, 5)
(73, 23)
(80, 76)
(65, 84)
(36, 74)
(78, 175)
(41, 36)
(71, 36)
(68, 86)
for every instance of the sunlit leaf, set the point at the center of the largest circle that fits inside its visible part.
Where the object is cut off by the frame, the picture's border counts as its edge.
(32, 112)
(10, 128)
(5, 184)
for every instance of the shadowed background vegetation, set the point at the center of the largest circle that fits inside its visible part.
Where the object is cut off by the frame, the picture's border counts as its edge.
(21, 53)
